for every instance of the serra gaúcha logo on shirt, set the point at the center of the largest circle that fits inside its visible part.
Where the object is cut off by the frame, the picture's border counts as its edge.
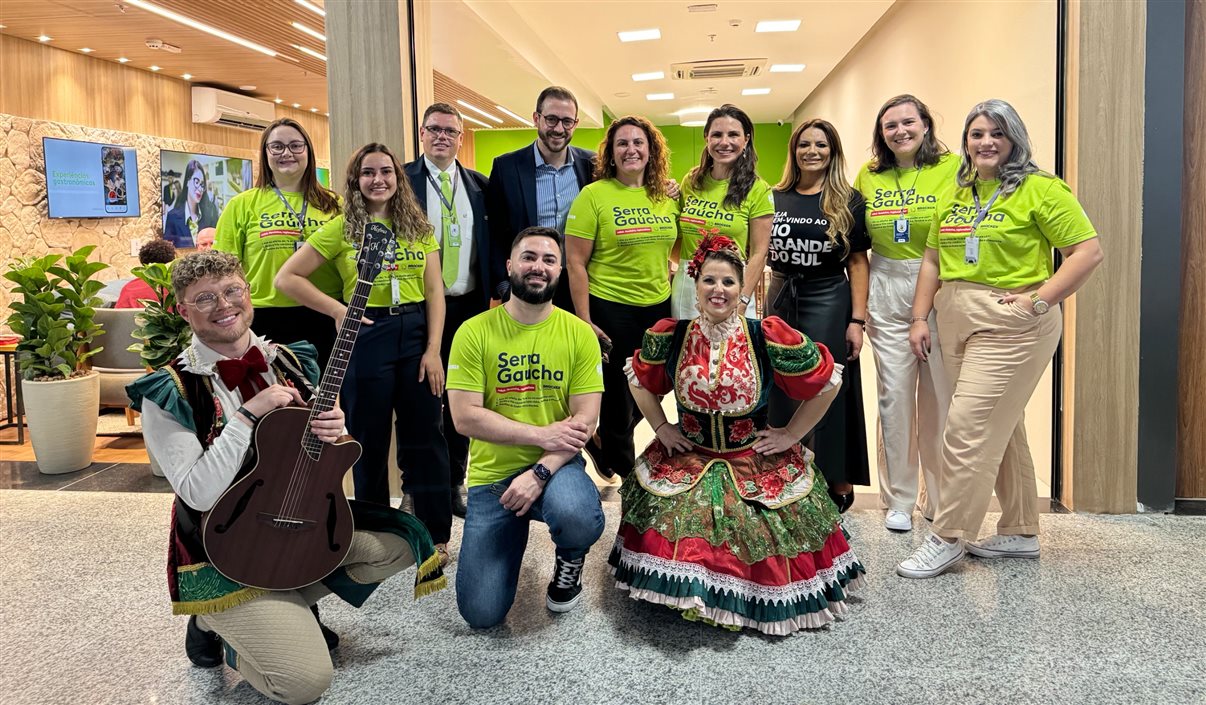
(283, 220)
(966, 215)
(630, 220)
(518, 369)
(701, 208)
(891, 198)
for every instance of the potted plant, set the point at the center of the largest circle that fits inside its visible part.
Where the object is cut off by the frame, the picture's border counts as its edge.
(54, 303)
(163, 332)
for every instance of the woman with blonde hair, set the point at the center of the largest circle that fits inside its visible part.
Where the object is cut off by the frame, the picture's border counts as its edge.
(818, 259)
(619, 234)
(395, 368)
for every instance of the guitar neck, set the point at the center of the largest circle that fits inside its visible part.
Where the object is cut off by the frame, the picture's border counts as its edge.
(341, 355)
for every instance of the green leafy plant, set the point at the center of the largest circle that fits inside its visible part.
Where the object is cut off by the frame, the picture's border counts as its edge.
(163, 332)
(55, 301)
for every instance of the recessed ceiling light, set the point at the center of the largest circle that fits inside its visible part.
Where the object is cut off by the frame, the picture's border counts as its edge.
(297, 105)
(327, 114)
(190, 22)
(479, 111)
(278, 101)
(659, 96)
(651, 76)
(153, 67)
(693, 111)
(122, 60)
(708, 7)
(521, 120)
(3, 26)
(786, 68)
(623, 94)
(187, 77)
(309, 51)
(247, 88)
(693, 123)
(640, 35)
(777, 26)
(312, 32)
(476, 121)
(313, 110)
(311, 7)
(43, 38)
(755, 91)
(86, 50)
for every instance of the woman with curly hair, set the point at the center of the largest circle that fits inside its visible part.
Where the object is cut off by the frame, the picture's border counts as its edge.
(725, 516)
(620, 231)
(395, 368)
(818, 259)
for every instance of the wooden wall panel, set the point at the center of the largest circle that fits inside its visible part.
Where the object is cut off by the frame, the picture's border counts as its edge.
(1105, 78)
(1191, 442)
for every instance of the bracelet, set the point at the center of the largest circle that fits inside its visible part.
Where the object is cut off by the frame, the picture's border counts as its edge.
(250, 416)
(860, 321)
(659, 426)
(914, 319)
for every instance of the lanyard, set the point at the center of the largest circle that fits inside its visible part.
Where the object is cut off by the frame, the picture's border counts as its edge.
(301, 218)
(440, 192)
(982, 212)
(899, 190)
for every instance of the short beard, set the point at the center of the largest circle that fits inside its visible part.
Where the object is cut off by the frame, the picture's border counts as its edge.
(528, 295)
(546, 136)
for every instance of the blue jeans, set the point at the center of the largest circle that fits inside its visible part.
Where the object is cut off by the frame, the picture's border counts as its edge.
(495, 539)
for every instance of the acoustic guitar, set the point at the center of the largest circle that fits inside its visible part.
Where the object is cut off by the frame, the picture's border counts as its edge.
(286, 523)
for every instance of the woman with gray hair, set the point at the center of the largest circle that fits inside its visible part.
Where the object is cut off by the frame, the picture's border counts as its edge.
(998, 309)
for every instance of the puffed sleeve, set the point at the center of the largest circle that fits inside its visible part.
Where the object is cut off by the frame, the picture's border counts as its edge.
(803, 369)
(160, 387)
(307, 355)
(647, 366)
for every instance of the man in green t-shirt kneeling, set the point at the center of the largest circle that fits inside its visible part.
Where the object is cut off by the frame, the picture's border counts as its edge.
(524, 382)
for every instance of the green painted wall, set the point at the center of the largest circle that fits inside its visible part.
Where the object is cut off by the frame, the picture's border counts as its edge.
(686, 144)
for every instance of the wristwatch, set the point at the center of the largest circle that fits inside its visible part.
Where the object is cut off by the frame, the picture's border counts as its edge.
(541, 472)
(1040, 307)
(745, 299)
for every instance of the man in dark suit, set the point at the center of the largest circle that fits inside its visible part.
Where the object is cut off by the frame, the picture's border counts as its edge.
(535, 185)
(455, 200)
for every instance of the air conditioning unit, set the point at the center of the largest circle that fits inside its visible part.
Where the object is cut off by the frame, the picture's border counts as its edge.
(723, 68)
(214, 106)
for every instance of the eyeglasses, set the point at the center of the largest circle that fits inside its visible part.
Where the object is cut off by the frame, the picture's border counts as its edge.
(278, 148)
(446, 131)
(209, 301)
(552, 121)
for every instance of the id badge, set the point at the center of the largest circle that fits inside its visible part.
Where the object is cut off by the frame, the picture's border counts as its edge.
(900, 230)
(297, 244)
(454, 235)
(971, 250)
(395, 292)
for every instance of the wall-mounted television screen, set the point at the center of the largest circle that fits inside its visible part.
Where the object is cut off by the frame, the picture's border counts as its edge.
(324, 176)
(196, 187)
(90, 180)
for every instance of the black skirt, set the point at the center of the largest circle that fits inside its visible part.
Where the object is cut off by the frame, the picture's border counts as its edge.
(821, 309)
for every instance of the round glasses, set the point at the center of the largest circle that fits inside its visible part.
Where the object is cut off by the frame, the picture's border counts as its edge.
(278, 148)
(208, 301)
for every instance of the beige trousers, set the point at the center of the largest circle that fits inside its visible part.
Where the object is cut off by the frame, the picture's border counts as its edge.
(995, 355)
(280, 649)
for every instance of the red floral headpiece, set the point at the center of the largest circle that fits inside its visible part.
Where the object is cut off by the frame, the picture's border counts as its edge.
(712, 242)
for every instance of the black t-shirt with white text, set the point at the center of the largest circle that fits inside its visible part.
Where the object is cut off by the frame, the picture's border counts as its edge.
(799, 243)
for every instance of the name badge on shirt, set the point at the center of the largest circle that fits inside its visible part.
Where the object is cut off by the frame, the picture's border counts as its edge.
(395, 292)
(900, 230)
(453, 235)
(971, 250)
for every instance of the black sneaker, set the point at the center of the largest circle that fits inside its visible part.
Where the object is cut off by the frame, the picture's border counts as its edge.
(328, 636)
(566, 588)
(203, 648)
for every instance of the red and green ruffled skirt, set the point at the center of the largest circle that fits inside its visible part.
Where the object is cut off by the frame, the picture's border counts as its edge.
(729, 560)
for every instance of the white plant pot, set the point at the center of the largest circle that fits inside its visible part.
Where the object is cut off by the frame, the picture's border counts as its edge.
(62, 421)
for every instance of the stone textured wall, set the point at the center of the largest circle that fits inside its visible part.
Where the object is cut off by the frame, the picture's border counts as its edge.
(27, 230)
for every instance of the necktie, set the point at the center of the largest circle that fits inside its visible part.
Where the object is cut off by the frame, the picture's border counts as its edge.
(245, 373)
(451, 261)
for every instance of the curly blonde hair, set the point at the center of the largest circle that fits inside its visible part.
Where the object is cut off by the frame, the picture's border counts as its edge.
(202, 264)
(657, 169)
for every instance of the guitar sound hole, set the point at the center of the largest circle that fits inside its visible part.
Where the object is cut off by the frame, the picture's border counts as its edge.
(240, 507)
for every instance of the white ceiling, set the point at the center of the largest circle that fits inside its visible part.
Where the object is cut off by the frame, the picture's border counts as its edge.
(521, 46)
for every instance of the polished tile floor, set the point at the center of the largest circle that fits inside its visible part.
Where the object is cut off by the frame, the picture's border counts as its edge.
(1114, 612)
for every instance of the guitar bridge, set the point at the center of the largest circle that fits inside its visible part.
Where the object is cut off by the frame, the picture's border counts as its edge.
(286, 523)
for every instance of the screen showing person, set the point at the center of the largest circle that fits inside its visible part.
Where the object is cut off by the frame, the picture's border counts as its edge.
(196, 187)
(90, 180)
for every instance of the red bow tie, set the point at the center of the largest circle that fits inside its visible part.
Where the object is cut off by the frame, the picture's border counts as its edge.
(245, 373)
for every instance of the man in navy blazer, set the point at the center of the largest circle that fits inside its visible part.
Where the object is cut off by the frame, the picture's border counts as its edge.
(455, 200)
(535, 185)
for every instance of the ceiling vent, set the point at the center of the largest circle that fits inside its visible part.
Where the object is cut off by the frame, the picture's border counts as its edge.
(726, 68)
(218, 107)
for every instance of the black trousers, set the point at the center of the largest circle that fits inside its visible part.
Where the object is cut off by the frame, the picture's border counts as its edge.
(292, 324)
(820, 309)
(625, 325)
(457, 310)
(382, 382)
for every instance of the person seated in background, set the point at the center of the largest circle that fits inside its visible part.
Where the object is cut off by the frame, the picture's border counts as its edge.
(136, 291)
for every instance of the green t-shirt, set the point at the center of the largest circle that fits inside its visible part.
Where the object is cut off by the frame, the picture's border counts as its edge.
(258, 229)
(704, 210)
(633, 237)
(909, 193)
(409, 261)
(1016, 236)
(526, 373)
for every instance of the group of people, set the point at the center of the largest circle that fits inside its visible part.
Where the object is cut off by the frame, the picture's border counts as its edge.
(525, 321)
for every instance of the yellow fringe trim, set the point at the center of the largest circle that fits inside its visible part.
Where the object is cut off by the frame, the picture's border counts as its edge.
(429, 566)
(433, 586)
(218, 604)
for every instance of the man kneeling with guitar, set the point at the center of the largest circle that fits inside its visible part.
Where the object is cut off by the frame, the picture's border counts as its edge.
(199, 413)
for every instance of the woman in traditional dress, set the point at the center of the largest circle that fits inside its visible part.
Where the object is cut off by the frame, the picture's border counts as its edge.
(725, 517)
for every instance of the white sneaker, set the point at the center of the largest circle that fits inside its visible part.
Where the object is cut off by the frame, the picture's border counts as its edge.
(999, 546)
(898, 521)
(931, 558)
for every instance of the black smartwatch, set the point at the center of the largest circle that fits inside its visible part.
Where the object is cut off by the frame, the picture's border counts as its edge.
(541, 472)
